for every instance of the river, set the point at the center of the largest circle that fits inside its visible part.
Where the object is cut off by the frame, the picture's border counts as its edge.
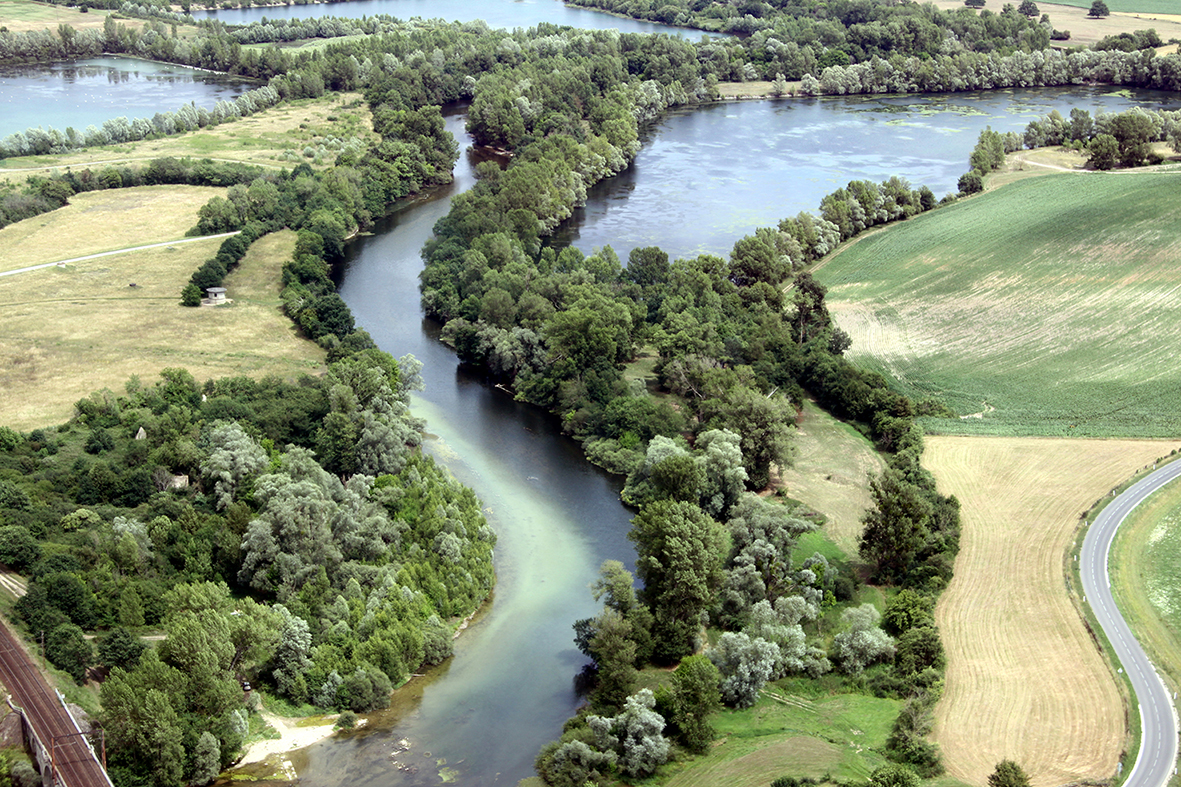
(497, 13)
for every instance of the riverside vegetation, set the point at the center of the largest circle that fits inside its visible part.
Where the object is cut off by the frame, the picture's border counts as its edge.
(556, 327)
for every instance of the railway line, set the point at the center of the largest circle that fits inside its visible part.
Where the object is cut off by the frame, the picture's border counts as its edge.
(73, 762)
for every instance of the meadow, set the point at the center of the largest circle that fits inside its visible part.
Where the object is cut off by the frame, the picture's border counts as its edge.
(310, 130)
(1025, 680)
(832, 738)
(1048, 307)
(66, 332)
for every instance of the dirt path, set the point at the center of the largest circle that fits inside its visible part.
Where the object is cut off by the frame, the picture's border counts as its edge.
(116, 251)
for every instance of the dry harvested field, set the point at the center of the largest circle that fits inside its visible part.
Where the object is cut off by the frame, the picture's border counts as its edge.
(66, 332)
(1024, 680)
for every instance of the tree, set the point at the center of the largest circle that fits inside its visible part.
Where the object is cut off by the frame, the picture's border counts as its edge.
(18, 548)
(974, 3)
(1098, 9)
(635, 735)
(779, 86)
(745, 665)
(190, 295)
(1104, 151)
(696, 695)
(893, 775)
(896, 527)
(67, 648)
(119, 648)
(615, 653)
(1028, 8)
(679, 552)
(1008, 774)
(862, 643)
(206, 760)
(970, 182)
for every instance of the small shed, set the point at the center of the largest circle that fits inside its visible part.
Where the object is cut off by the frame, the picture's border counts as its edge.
(217, 295)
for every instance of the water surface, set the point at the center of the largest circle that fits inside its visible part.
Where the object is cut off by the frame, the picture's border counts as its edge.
(507, 14)
(88, 92)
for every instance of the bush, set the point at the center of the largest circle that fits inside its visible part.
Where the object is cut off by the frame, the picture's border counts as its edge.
(347, 720)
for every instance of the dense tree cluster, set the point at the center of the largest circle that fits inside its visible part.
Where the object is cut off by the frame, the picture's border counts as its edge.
(314, 552)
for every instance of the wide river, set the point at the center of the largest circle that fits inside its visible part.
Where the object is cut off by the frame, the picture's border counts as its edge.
(704, 178)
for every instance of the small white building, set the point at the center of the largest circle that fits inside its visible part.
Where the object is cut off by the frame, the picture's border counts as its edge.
(217, 295)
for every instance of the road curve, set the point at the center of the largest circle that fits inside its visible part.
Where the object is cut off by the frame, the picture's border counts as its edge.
(1155, 763)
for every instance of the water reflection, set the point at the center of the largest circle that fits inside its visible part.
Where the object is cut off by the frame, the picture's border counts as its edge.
(89, 92)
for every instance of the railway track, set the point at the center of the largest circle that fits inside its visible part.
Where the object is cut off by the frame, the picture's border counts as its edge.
(74, 763)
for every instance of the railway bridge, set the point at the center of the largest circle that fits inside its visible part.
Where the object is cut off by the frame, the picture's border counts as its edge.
(61, 749)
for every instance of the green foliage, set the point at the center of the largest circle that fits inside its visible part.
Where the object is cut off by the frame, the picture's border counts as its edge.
(67, 648)
(190, 295)
(696, 696)
(1008, 773)
(679, 559)
(1099, 9)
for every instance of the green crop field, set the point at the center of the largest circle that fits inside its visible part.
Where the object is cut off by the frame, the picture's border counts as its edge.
(1048, 307)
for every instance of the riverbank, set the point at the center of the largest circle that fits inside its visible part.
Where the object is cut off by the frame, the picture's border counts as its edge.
(294, 733)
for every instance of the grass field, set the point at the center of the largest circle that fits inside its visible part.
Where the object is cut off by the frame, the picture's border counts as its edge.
(1025, 681)
(830, 473)
(66, 332)
(790, 735)
(278, 136)
(98, 221)
(21, 16)
(1145, 569)
(1127, 16)
(1048, 307)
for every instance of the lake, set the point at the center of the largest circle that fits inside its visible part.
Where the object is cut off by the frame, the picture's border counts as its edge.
(87, 92)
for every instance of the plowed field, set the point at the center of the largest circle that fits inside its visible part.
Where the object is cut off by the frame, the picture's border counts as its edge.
(1024, 679)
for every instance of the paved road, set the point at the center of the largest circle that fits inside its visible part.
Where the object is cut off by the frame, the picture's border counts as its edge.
(1158, 719)
(76, 766)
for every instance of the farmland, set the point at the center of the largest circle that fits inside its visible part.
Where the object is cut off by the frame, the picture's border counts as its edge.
(68, 331)
(1048, 307)
(1018, 653)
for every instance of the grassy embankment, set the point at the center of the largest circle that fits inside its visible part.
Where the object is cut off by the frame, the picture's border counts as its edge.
(281, 136)
(1046, 307)
(1145, 570)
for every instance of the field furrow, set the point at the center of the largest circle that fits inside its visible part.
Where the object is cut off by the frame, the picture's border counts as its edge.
(1024, 679)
